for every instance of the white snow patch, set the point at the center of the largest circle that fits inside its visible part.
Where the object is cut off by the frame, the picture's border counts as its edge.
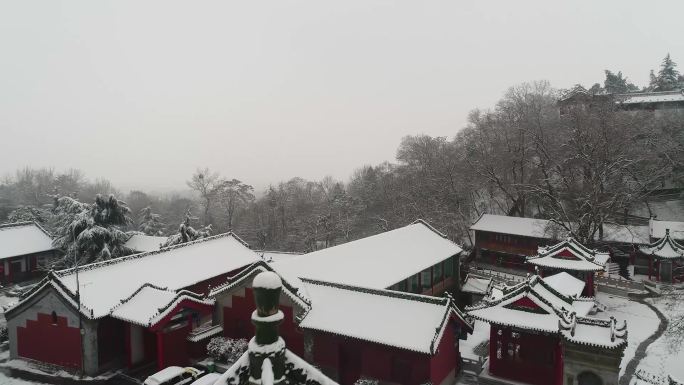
(267, 280)
(641, 322)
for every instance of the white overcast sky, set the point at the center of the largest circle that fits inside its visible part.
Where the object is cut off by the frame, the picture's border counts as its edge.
(143, 92)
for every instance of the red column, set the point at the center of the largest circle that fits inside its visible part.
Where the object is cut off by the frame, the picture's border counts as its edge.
(650, 267)
(129, 353)
(590, 284)
(559, 363)
(492, 349)
(160, 350)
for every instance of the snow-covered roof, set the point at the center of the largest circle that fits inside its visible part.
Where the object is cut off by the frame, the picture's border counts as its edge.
(665, 247)
(376, 262)
(565, 284)
(532, 304)
(149, 304)
(103, 285)
(476, 285)
(630, 234)
(652, 97)
(526, 227)
(276, 256)
(407, 321)
(605, 333)
(142, 242)
(23, 238)
(569, 255)
(659, 228)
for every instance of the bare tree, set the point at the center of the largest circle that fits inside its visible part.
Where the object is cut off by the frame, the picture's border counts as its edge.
(205, 183)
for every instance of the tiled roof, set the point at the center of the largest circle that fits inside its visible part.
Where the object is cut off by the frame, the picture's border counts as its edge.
(569, 255)
(666, 248)
(23, 238)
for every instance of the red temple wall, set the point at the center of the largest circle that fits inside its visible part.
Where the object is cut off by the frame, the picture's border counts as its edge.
(237, 322)
(538, 360)
(352, 358)
(446, 359)
(54, 343)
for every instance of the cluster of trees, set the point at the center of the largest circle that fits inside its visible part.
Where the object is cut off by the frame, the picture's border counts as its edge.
(668, 78)
(581, 169)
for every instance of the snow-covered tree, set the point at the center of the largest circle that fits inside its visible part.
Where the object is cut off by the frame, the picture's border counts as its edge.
(615, 83)
(187, 233)
(90, 232)
(150, 223)
(668, 76)
(233, 195)
(226, 349)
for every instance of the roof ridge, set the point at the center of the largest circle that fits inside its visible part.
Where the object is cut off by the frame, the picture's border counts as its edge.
(244, 273)
(429, 226)
(131, 257)
(380, 292)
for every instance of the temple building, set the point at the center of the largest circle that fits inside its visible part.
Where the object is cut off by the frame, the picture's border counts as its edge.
(541, 336)
(665, 259)
(162, 307)
(573, 258)
(25, 249)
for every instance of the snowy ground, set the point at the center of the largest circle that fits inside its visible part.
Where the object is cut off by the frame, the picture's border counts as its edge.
(663, 356)
(480, 335)
(4, 301)
(641, 321)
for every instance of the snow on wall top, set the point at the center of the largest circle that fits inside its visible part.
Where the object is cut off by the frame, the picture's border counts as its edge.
(23, 238)
(526, 227)
(376, 262)
(382, 319)
(142, 242)
(104, 285)
(276, 256)
(653, 97)
(565, 284)
(658, 229)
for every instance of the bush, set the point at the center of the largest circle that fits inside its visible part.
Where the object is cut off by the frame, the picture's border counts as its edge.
(3, 334)
(226, 349)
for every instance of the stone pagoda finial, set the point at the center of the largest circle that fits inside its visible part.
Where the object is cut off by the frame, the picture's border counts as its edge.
(267, 348)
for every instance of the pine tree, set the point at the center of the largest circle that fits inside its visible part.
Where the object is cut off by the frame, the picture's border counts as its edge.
(668, 76)
(150, 223)
(89, 233)
(653, 81)
(187, 233)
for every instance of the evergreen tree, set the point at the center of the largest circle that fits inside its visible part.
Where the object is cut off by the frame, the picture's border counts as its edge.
(187, 233)
(89, 233)
(616, 84)
(668, 76)
(653, 82)
(150, 223)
